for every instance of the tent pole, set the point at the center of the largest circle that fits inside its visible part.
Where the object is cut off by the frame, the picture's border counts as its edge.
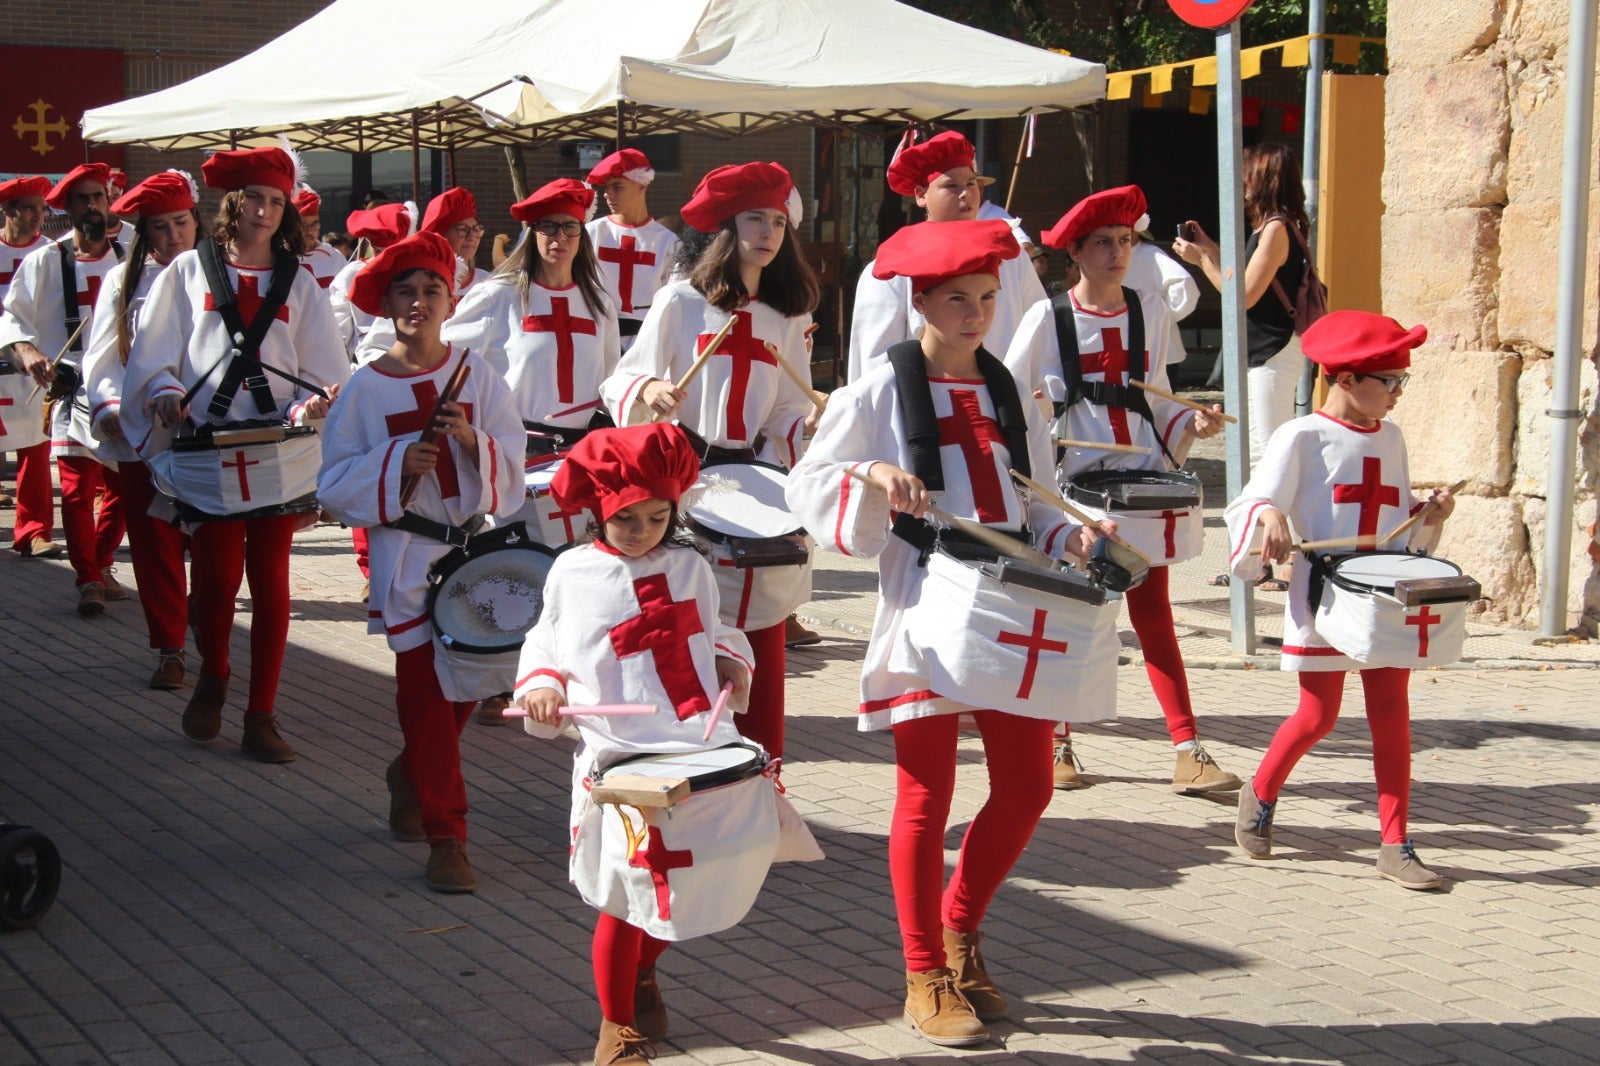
(1311, 176)
(416, 160)
(621, 114)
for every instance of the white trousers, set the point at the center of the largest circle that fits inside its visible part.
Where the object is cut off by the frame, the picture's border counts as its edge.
(1270, 389)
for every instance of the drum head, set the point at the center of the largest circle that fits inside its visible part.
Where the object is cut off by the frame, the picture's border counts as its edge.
(1383, 569)
(704, 769)
(489, 602)
(742, 500)
(1135, 490)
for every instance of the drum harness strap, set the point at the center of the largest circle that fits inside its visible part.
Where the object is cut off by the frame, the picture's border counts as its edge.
(455, 536)
(246, 360)
(1105, 393)
(922, 437)
(69, 289)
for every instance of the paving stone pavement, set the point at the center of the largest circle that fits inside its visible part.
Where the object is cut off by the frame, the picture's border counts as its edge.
(218, 910)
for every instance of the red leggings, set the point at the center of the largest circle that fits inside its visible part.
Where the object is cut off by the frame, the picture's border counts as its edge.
(620, 952)
(1019, 766)
(36, 502)
(157, 549)
(763, 723)
(1389, 719)
(90, 539)
(358, 538)
(1150, 611)
(431, 757)
(224, 553)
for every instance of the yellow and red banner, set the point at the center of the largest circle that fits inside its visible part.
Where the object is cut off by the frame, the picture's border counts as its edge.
(43, 96)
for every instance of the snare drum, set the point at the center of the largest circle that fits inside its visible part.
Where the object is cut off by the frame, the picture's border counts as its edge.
(483, 598)
(1160, 512)
(547, 521)
(21, 419)
(761, 555)
(1393, 608)
(1013, 637)
(240, 470)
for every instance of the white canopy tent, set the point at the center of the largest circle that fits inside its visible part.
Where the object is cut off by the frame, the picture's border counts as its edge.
(475, 72)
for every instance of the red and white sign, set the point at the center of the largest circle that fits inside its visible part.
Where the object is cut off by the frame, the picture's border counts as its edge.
(1209, 14)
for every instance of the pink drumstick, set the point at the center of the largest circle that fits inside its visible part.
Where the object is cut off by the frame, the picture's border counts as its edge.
(599, 708)
(716, 709)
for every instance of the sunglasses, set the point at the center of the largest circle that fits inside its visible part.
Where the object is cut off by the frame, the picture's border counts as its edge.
(1390, 385)
(550, 229)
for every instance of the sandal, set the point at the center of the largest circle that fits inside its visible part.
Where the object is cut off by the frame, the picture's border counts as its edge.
(1266, 582)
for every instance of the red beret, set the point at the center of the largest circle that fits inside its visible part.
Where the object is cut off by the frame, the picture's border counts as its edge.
(119, 179)
(18, 188)
(1122, 206)
(383, 225)
(57, 197)
(272, 167)
(159, 194)
(615, 468)
(306, 202)
(422, 251)
(932, 252)
(1360, 342)
(726, 191)
(564, 196)
(629, 163)
(449, 208)
(920, 165)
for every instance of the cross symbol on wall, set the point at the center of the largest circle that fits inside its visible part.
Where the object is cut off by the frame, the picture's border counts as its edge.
(39, 128)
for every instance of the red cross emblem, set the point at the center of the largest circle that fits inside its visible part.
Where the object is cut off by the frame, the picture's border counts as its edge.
(416, 420)
(626, 258)
(1112, 361)
(241, 463)
(656, 857)
(1424, 620)
(976, 434)
(90, 291)
(1035, 643)
(1170, 532)
(663, 627)
(1370, 493)
(9, 272)
(743, 348)
(563, 324)
(565, 517)
(248, 300)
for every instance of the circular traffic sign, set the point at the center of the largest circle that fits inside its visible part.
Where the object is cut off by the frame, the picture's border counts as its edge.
(1209, 14)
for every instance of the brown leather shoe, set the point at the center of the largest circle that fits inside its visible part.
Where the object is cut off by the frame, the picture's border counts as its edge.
(936, 1008)
(962, 955)
(405, 814)
(261, 741)
(91, 599)
(489, 711)
(40, 549)
(1196, 772)
(1064, 775)
(649, 1010)
(202, 718)
(796, 635)
(448, 869)
(113, 587)
(622, 1045)
(169, 670)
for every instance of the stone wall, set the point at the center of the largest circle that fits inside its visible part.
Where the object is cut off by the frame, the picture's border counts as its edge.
(1472, 186)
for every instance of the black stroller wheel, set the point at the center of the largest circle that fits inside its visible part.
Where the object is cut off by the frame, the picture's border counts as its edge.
(30, 874)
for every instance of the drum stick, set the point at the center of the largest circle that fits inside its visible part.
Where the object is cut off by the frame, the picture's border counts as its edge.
(998, 541)
(1190, 404)
(602, 709)
(700, 361)
(799, 379)
(1131, 449)
(1070, 511)
(59, 356)
(717, 708)
(1422, 512)
(1373, 540)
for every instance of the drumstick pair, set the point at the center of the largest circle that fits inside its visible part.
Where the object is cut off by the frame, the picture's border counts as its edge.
(998, 541)
(1055, 500)
(700, 362)
(815, 397)
(1090, 445)
(619, 710)
(1374, 540)
(62, 354)
(1190, 404)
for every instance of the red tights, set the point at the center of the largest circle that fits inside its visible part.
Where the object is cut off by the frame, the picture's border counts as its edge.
(1019, 765)
(431, 758)
(763, 723)
(91, 538)
(227, 552)
(1389, 719)
(36, 501)
(157, 549)
(621, 952)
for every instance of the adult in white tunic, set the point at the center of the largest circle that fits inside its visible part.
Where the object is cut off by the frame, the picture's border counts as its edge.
(22, 428)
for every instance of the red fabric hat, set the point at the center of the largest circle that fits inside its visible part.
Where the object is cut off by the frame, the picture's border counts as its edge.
(425, 251)
(57, 197)
(615, 468)
(1122, 206)
(449, 208)
(726, 191)
(932, 252)
(1360, 342)
(159, 194)
(119, 179)
(920, 165)
(307, 202)
(564, 196)
(18, 188)
(383, 225)
(629, 163)
(272, 167)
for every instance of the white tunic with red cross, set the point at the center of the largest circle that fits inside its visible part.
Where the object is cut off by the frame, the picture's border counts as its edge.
(323, 262)
(363, 448)
(11, 257)
(863, 424)
(552, 348)
(34, 312)
(21, 418)
(1331, 479)
(635, 262)
(182, 339)
(103, 368)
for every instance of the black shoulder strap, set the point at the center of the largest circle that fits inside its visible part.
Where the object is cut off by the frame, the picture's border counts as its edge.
(69, 294)
(1008, 410)
(1106, 394)
(916, 407)
(244, 368)
(1067, 342)
(116, 246)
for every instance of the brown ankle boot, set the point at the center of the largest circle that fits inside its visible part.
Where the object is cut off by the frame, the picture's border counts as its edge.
(448, 869)
(168, 674)
(261, 741)
(202, 718)
(622, 1045)
(936, 1008)
(649, 1010)
(405, 813)
(963, 956)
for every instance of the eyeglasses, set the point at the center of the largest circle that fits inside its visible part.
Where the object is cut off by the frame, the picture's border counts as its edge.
(1390, 385)
(464, 230)
(550, 229)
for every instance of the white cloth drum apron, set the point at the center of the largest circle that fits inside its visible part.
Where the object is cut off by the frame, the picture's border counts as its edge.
(697, 867)
(483, 600)
(1359, 615)
(230, 476)
(21, 420)
(1171, 531)
(547, 522)
(739, 512)
(1010, 647)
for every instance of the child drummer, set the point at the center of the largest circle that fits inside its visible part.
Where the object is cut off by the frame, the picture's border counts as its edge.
(370, 451)
(631, 616)
(1338, 473)
(985, 426)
